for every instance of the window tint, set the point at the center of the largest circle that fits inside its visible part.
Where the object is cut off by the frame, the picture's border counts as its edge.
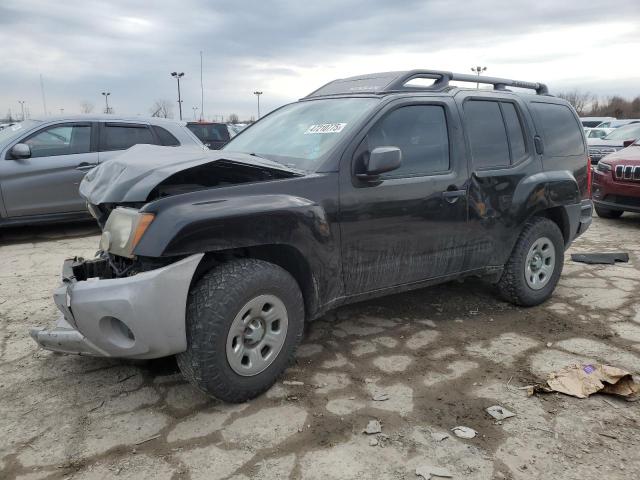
(166, 138)
(487, 134)
(562, 133)
(60, 140)
(121, 137)
(514, 128)
(420, 131)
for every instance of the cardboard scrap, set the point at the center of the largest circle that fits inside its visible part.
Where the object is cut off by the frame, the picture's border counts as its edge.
(583, 380)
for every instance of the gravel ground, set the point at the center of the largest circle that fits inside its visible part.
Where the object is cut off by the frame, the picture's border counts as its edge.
(441, 355)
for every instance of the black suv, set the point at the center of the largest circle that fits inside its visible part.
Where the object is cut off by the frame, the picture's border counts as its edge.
(368, 186)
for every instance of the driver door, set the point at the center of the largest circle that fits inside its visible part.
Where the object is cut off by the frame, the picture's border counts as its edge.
(48, 181)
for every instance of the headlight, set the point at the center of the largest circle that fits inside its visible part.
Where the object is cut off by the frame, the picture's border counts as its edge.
(123, 230)
(603, 167)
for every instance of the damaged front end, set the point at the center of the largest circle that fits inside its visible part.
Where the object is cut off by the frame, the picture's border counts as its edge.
(120, 304)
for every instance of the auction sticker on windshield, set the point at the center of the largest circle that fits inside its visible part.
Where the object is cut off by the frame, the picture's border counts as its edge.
(326, 128)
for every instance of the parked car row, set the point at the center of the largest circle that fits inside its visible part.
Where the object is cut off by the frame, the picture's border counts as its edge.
(43, 161)
(616, 140)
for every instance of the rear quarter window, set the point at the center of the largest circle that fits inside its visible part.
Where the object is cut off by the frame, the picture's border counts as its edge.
(562, 134)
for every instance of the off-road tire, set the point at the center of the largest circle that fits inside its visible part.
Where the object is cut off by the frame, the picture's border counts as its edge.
(607, 212)
(213, 303)
(512, 285)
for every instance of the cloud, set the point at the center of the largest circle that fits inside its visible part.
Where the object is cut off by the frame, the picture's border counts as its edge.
(288, 48)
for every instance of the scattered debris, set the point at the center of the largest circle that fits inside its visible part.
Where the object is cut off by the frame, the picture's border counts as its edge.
(373, 427)
(373, 442)
(583, 380)
(380, 397)
(464, 432)
(549, 344)
(600, 258)
(428, 471)
(499, 413)
(147, 440)
(293, 383)
(438, 436)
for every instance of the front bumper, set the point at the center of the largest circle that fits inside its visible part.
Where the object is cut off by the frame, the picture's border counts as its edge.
(142, 316)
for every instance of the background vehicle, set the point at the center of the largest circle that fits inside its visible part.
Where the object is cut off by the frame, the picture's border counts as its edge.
(591, 122)
(619, 138)
(597, 132)
(213, 135)
(236, 128)
(616, 183)
(341, 196)
(618, 123)
(43, 161)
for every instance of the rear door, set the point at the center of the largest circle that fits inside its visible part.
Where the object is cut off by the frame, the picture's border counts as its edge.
(47, 182)
(500, 143)
(411, 226)
(118, 136)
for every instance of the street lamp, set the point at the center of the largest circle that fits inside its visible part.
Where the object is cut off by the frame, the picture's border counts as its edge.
(178, 76)
(478, 70)
(257, 94)
(106, 102)
(195, 109)
(21, 102)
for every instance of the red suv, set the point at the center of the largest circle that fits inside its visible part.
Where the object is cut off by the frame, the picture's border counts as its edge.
(616, 183)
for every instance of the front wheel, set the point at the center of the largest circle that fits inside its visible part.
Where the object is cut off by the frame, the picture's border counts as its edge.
(244, 322)
(607, 212)
(533, 270)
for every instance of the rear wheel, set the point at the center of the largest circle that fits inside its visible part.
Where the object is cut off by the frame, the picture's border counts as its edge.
(608, 213)
(244, 321)
(533, 270)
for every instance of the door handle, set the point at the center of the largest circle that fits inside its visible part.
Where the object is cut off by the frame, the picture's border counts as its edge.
(86, 166)
(452, 196)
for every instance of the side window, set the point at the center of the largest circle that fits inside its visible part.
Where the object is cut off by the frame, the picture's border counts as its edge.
(562, 134)
(420, 131)
(121, 137)
(166, 138)
(487, 134)
(60, 140)
(515, 131)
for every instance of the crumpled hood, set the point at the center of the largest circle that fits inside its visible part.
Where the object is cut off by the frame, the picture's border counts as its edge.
(131, 176)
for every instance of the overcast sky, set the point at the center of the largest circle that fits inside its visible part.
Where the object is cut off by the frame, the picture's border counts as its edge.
(288, 48)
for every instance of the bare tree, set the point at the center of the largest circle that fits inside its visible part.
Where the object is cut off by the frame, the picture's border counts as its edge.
(233, 118)
(86, 107)
(162, 108)
(581, 101)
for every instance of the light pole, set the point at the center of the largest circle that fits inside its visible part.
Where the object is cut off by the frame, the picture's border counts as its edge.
(21, 102)
(257, 94)
(478, 70)
(106, 102)
(62, 111)
(178, 76)
(195, 109)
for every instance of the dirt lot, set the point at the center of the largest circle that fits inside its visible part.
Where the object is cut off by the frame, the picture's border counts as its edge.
(442, 355)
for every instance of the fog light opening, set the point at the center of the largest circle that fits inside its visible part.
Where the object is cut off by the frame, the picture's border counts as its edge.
(117, 332)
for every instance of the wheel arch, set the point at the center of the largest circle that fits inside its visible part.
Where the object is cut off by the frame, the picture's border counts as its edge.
(285, 256)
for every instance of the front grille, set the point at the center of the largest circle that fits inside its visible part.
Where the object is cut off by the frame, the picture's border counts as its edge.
(627, 172)
(596, 153)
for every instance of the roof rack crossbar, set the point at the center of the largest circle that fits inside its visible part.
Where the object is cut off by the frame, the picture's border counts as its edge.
(386, 82)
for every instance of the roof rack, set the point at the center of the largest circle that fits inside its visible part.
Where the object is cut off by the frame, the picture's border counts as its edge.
(390, 82)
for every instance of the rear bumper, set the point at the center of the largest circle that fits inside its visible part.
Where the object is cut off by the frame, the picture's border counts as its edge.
(142, 316)
(580, 218)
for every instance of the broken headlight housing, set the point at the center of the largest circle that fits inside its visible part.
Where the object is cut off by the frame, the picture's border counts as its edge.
(123, 230)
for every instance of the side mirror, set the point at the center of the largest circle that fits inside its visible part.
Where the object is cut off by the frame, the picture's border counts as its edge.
(381, 160)
(628, 143)
(20, 150)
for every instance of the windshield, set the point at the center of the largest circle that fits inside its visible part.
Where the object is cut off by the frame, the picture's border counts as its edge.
(591, 123)
(299, 134)
(628, 132)
(14, 131)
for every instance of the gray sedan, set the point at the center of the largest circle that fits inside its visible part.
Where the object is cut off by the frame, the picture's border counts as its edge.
(43, 161)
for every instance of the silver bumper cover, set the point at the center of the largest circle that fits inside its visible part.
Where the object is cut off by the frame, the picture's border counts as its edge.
(142, 316)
